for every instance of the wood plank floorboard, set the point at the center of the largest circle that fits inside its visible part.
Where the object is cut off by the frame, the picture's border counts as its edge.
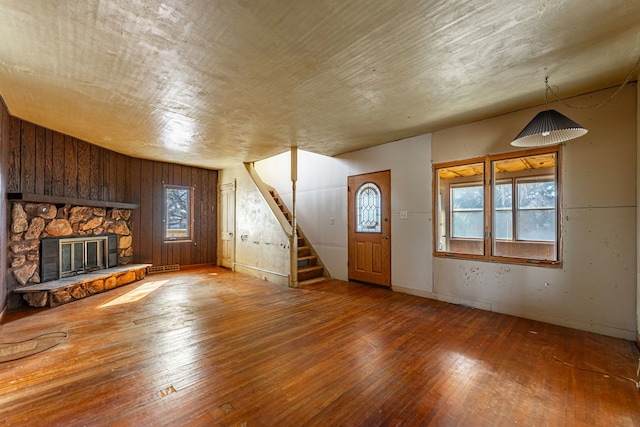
(211, 347)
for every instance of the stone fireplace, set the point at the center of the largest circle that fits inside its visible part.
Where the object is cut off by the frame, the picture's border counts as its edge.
(49, 241)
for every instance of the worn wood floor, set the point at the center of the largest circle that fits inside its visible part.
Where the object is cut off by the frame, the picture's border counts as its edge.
(211, 347)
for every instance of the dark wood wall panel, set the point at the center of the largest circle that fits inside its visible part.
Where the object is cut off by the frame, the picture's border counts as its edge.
(156, 218)
(13, 161)
(7, 127)
(95, 173)
(135, 192)
(42, 161)
(48, 163)
(186, 179)
(41, 146)
(28, 153)
(145, 243)
(84, 170)
(70, 167)
(57, 184)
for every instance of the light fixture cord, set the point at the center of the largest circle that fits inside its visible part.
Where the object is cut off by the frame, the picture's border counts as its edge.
(556, 93)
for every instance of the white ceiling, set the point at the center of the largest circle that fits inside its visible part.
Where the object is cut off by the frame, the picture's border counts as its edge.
(216, 82)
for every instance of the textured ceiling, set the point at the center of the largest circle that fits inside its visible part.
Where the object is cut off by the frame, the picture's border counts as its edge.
(216, 82)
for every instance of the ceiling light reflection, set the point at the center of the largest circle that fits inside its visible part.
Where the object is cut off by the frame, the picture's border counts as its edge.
(178, 132)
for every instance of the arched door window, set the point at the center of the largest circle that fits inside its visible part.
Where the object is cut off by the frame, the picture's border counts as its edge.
(368, 212)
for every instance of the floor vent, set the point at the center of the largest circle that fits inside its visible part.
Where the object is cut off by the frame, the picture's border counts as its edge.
(163, 268)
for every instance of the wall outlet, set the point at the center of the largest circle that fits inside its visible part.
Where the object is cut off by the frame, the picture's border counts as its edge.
(331, 221)
(404, 215)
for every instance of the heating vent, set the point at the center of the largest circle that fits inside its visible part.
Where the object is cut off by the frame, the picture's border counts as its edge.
(163, 268)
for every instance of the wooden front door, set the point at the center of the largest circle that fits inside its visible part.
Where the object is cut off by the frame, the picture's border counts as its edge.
(370, 228)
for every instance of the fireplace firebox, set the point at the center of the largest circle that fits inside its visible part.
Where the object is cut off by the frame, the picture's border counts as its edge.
(69, 256)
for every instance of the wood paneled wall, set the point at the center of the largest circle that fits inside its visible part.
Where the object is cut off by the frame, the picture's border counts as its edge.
(5, 120)
(42, 161)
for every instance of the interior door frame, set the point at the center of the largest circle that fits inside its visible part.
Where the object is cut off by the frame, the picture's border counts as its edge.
(224, 210)
(370, 243)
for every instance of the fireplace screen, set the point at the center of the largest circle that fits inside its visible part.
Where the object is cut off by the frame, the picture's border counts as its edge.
(80, 255)
(62, 257)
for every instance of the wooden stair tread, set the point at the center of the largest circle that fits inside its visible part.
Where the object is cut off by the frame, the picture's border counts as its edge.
(312, 281)
(305, 273)
(310, 268)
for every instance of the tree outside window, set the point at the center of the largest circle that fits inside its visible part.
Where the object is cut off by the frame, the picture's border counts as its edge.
(178, 212)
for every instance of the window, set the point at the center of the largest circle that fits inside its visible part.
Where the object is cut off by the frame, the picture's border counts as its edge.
(509, 216)
(368, 212)
(178, 217)
(467, 211)
(461, 216)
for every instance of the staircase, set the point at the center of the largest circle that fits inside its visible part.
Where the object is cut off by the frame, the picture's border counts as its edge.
(310, 268)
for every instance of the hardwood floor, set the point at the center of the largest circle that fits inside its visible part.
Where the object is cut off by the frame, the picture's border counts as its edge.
(211, 347)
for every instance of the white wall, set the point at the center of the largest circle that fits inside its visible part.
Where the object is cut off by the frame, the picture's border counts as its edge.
(322, 195)
(595, 289)
(262, 247)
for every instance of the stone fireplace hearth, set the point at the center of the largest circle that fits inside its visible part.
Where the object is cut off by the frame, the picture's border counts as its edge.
(33, 223)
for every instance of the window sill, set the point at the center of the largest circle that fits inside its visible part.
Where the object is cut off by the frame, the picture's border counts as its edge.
(501, 260)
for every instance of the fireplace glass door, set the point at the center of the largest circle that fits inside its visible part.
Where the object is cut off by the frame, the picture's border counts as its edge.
(81, 255)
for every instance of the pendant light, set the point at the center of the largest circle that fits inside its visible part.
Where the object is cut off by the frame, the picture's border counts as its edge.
(548, 127)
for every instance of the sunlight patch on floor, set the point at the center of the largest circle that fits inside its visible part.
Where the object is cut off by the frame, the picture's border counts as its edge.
(136, 294)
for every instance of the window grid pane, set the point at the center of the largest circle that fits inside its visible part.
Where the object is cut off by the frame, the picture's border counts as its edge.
(503, 210)
(536, 210)
(467, 218)
(538, 225)
(468, 225)
(536, 194)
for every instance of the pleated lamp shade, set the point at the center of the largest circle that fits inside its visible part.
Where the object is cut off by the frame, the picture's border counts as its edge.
(548, 128)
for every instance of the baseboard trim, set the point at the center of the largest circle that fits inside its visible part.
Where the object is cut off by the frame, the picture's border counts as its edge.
(196, 266)
(262, 270)
(263, 274)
